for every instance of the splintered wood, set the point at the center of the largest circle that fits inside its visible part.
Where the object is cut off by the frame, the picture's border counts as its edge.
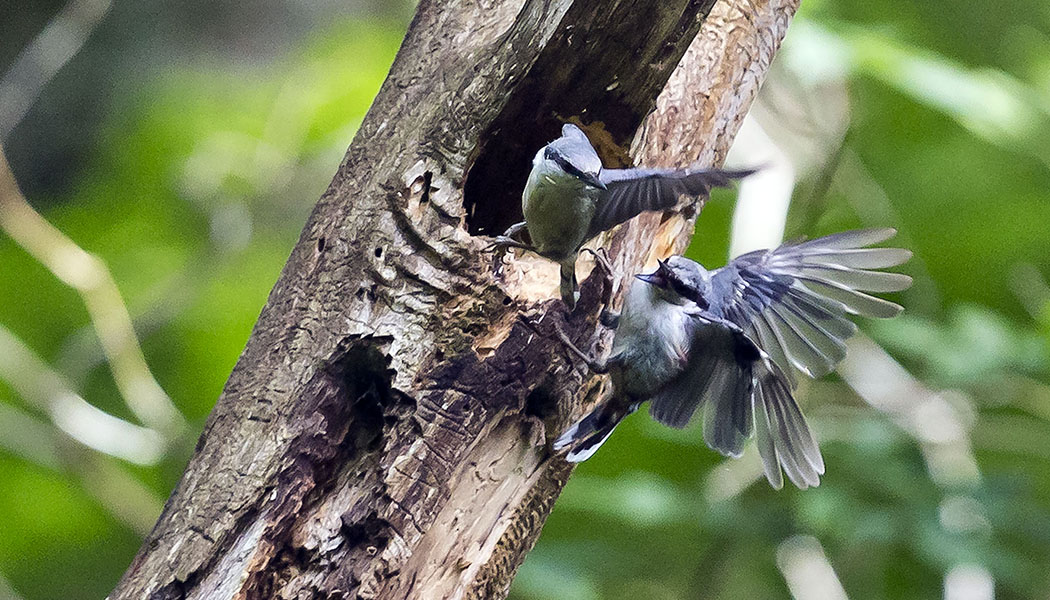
(383, 433)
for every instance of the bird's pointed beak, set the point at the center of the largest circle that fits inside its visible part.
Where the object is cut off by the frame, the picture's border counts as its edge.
(657, 277)
(651, 278)
(592, 179)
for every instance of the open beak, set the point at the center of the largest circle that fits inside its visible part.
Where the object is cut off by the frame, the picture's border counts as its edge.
(657, 277)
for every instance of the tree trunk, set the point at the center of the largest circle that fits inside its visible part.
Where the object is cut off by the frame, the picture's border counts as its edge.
(383, 435)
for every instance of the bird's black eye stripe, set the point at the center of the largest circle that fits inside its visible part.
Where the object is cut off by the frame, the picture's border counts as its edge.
(688, 292)
(568, 167)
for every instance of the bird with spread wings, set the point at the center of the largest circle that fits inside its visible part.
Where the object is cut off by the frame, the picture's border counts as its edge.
(729, 341)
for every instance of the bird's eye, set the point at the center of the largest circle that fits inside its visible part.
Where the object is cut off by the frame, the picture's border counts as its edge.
(680, 288)
(689, 293)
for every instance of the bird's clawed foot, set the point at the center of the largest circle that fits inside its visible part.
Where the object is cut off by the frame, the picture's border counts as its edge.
(594, 364)
(507, 240)
(502, 242)
(601, 261)
(514, 230)
(605, 268)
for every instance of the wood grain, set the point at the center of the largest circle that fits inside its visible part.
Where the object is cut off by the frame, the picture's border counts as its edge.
(383, 434)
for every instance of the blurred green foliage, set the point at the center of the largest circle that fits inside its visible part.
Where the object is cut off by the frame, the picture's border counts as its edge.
(201, 180)
(196, 193)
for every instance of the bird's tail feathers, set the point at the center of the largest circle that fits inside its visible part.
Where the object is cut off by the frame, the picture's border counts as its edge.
(588, 434)
(781, 433)
(568, 283)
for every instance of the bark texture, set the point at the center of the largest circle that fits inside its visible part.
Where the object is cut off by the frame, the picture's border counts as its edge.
(383, 435)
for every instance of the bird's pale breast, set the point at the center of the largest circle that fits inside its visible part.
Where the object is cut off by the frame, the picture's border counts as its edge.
(653, 340)
(558, 209)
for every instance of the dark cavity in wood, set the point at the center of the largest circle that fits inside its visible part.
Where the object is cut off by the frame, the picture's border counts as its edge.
(611, 90)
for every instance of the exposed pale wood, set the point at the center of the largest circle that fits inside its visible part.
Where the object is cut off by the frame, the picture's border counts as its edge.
(383, 435)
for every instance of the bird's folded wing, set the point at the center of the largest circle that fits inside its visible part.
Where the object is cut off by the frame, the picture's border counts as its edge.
(794, 300)
(630, 192)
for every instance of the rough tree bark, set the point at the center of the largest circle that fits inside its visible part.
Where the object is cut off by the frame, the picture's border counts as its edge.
(383, 435)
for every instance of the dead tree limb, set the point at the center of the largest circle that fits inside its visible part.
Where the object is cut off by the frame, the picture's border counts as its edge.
(383, 435)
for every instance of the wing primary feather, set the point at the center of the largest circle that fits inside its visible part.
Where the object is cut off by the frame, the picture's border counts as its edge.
(742, 399)
(719, 432)
(857, 238)
(857, 279)
(857, 303)
(764, 441)
(792, 452)
(854, 258)
(818, 310)
(796, 422)
(799, 350)
(771, 344)
(783, 444)
(825, 344)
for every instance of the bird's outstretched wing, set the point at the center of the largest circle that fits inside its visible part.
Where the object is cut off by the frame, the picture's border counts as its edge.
(630, 192)
(794, 300)
(781, 433)
(740, 389)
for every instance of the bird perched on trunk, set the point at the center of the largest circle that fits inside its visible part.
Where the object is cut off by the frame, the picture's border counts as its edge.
(570, 198)
(727, 341)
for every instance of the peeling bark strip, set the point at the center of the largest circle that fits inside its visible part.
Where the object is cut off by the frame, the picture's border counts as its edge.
(383, 433)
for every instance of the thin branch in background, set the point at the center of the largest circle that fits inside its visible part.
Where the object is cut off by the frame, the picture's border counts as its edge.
(29, 437)
(815, 202)
(938, 425)
(6, 591)
(120, 494)
(157, 307)
(38, 385)
(52, 48)
(807, 570)
(89, 277)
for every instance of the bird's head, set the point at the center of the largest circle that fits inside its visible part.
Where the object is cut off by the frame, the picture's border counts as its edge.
(680, 280)
(573, 155)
